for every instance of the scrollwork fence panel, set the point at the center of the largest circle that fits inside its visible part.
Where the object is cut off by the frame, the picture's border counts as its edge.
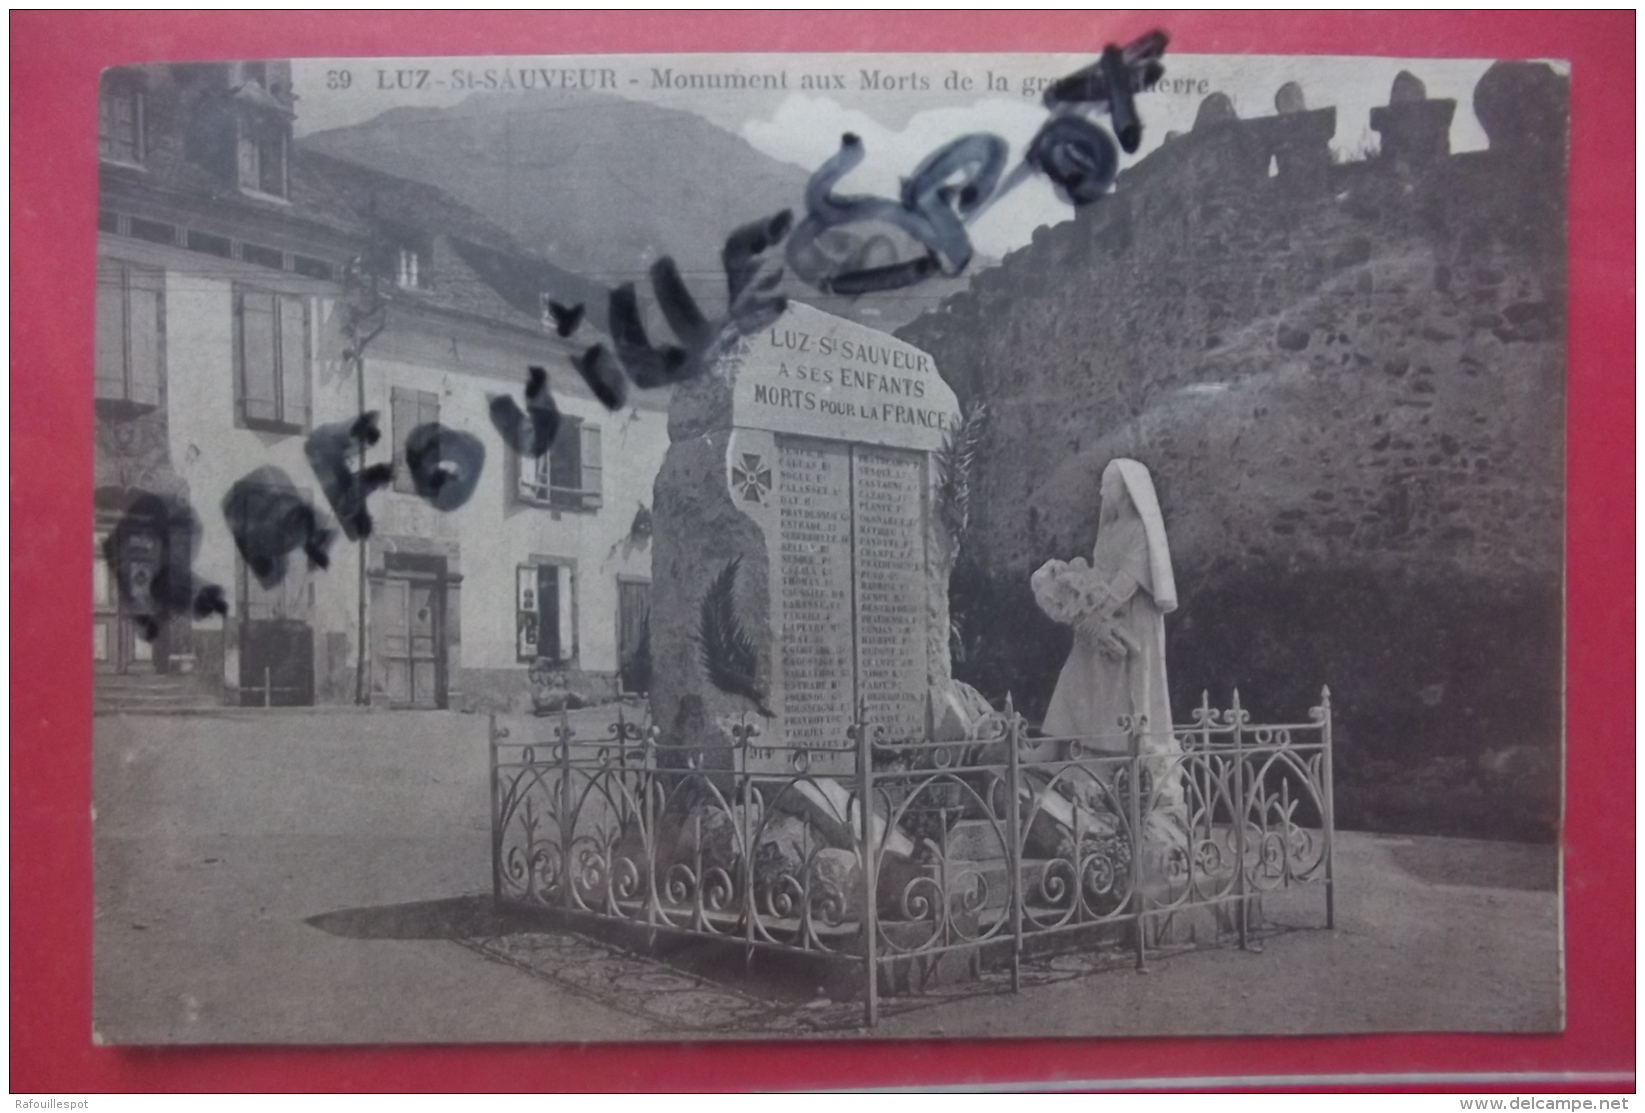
(1001, 842)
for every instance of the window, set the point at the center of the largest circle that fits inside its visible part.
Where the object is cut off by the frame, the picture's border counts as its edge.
(154, 231)
(208, 244)
(263, 256)
(407, 276)
(311, 268)
(271, 360)
(120, 124)
(568, 475)
(262, 152)
(411, 408)
(130, 332)
(544, 612)
(104, 611)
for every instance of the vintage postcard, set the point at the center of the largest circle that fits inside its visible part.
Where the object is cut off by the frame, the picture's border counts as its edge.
(767, 546)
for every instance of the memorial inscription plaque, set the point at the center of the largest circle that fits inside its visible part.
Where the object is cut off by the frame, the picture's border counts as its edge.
(814, 589)
(888, 503)
(824, 431)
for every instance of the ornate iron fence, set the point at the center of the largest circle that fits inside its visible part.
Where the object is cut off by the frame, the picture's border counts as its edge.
(1003, 842)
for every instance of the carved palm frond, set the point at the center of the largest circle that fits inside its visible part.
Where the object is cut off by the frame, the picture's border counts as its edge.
(954, 469)
(728, 654)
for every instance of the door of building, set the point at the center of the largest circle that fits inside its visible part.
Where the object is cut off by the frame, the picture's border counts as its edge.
(116, 645)
(633, 621)
(276, 638)
(408, 632)
(276, 663)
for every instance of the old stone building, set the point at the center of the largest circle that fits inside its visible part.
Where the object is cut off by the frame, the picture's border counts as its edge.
(1347, 377)
(229, 262)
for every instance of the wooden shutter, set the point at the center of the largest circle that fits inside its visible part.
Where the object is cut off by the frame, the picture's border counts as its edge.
(259, 398)
(111, 330)
(403, 418)
(549, 605)
(525, 612)
(428, 407)
(633, 611)
(294, 360)
(591, 483)
(106, 127)
(565, 457)
(566, 602)
(516, 473)
(247, 147)
(411, 408)
(145, 325)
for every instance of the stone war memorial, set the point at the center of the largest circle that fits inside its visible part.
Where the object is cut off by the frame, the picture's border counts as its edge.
(805, 532)
(806, 465)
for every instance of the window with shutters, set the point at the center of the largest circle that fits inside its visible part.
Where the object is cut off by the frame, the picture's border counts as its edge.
(411, 408)
(131, 317)
(120, 123)
(261, 153)
(271, 360)
(544, 612)
(568, 476)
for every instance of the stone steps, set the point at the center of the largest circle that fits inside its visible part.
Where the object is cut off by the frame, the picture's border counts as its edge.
(113, 693)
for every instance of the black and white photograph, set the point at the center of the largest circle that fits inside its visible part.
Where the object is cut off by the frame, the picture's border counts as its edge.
(783, 546)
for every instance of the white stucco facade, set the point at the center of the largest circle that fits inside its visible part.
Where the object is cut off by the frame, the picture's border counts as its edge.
(459, 363)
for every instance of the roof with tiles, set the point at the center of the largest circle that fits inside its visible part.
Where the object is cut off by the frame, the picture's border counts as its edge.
(473, 266)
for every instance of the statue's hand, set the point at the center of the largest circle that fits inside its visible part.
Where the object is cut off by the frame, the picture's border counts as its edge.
(1105, 635)
(1089, 628)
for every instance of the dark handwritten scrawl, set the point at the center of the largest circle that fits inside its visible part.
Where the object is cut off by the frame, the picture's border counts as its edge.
(753, 306)
(445, 464)
(744, 252)
(1114, 80)
(744, 257)
(152, 551)
(679, 307)
(566, 320)
(958, 182)
(604, 376)
(647, 365)
(829, 250)
(331, 450)
(932, 210)
(270, 519)
(532, 432)
(1077, 156)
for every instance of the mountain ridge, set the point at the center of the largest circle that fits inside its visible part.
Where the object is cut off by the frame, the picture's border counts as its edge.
(627, 183)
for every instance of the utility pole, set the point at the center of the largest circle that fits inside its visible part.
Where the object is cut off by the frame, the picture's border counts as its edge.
(364, 315)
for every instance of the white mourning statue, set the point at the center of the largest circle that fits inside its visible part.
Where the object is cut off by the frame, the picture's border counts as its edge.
(1117, 606)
